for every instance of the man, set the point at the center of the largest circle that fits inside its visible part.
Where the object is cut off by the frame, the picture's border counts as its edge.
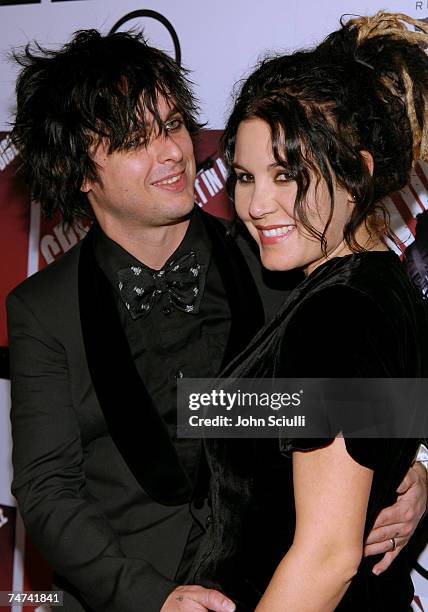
(156, 291)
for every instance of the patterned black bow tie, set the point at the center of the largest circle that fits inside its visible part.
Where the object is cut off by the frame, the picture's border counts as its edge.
(181, 279)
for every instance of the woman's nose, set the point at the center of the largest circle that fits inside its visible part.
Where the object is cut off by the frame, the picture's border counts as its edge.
(262, 203)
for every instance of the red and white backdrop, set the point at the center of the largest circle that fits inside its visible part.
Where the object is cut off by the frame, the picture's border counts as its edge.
(219, 42)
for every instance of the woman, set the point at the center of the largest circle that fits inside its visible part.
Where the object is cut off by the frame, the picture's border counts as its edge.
(315, 140)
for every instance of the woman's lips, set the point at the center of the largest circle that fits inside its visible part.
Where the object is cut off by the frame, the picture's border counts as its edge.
(274, 233)
(173, 182)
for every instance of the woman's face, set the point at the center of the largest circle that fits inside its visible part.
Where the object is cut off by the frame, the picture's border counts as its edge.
(264, 197)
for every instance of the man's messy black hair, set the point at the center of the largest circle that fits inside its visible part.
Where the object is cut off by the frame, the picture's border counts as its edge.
(95, 87)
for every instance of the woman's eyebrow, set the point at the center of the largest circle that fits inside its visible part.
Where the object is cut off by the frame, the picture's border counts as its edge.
(269, 166)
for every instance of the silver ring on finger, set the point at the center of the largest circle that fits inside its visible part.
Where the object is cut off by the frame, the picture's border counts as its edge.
(394, 543)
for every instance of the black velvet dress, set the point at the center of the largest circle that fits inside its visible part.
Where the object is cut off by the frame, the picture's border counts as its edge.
(354, 316)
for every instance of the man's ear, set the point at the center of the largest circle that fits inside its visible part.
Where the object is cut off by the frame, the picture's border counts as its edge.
(368, 160)
(86, 185)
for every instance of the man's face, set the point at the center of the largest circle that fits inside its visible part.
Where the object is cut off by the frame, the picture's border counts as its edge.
(145, 185)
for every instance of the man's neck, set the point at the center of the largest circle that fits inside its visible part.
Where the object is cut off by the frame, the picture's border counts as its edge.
(152, 246)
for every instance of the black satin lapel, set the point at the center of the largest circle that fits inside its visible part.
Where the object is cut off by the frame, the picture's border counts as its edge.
(133, 422)
(244, 300)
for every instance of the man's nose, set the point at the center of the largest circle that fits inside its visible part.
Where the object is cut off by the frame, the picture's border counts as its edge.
(169, 149)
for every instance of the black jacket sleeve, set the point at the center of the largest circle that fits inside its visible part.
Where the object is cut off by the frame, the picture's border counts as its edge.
(62, 520)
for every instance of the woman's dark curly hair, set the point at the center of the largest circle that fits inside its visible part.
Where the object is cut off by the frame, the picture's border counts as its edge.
(94, 87)
(365, 88)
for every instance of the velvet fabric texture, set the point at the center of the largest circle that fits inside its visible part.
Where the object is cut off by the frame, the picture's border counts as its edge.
(354, 316)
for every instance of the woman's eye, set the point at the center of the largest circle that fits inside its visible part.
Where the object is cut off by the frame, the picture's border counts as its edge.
(244, 177)
(284, 177)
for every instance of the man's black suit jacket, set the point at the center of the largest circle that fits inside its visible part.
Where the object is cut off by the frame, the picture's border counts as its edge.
(87, 440)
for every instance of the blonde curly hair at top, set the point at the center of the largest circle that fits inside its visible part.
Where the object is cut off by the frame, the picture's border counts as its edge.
(394, 26)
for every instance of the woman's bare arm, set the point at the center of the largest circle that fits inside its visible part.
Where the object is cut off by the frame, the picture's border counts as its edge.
(331, 495)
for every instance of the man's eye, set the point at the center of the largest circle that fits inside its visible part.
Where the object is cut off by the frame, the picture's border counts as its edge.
(244, 177)
(135, 142)
(174, 124)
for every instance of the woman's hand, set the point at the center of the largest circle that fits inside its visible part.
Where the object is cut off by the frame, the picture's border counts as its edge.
(194, 598)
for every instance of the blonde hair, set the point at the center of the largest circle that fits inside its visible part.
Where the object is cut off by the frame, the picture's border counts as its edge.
(395, 25)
